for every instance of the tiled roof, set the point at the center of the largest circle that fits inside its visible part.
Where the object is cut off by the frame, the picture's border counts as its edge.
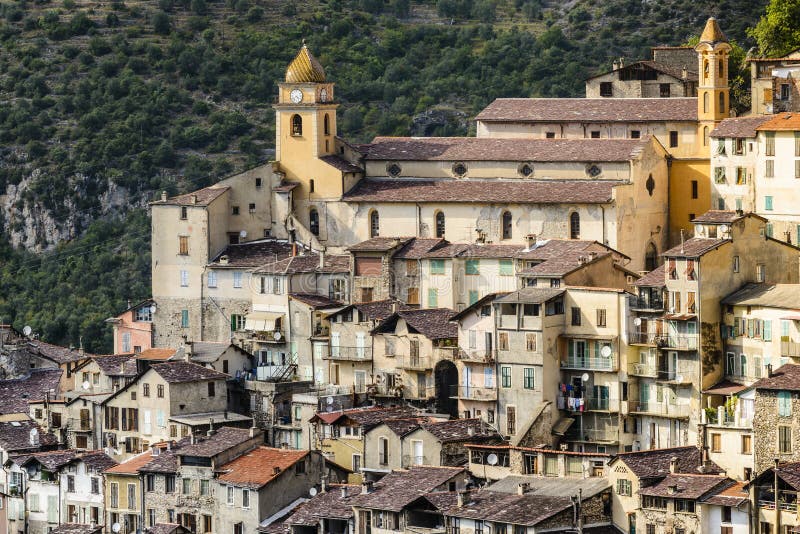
(656, 462)
(222, 440)
(16, 436)
(473, 250)
(117, 365)
(201, 197)
(180, 371)
(670, 70)
(379, 244)
(166, 461)
(98, 460)
(547, 249)
(655, 278)
(341, 164)
(417, 248)
(528, 509)
(560, 110)
(307, 262)
(553, 486)
(558, 267)
(401, 427)
(687, 486)
(56, 353)
(379, 310)
(459, 430)
(15, 394)
(718, 217)
(739, 127)
(492, 191)
(531, 295)
(695, 247)
(316, 301)
(433, 323)
(256, 468)
(782, 122)
(165, 528)
(76, 528)
(285, 187)
(786, 377)
(329, 505)
(156, 354)
(788, 472)
(253, 254)
(131, 465)
(769, 295)
(366, 417)
(50, 460)
(400, 488)
(733, 495)
(496, 149)
(209, 351)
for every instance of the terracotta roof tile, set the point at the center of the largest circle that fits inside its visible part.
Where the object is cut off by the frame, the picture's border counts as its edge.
(57, 353)
(497, 149)
(376, 310)
(781, 122)
(328, 505)
(472, 250)
(655, 278)
(379, 244)
(165, 528)
(528, 509)
(201, 197)
(98, 460)
(15, 437)
(117, 365)
(695, 247)
(256, 468)
(733, 495)
(50, 460)
(400, 488)
(76, 528)
(493, 191)
(460, 430)
(786, 377)
(131, 465)
(739, 127)
(222, 440)
(368, 418)
(156, 354)
(180, 371)
(560, 110)
(316, 301)
(307, 263)
(718, 217)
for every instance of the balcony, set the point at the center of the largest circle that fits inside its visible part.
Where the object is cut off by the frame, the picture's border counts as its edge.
(410, 459)
(590, 363)
(637, 337)
(591, 404)
(414, 363)
(476, 356)
(473, 393)
(419, 393)
(321, 331)
(269, 336)
(348, 354)
(787, 500)
(678, 341)
(661, 409)
(651, 303)
(790, 348)
(644, 369)
(592, 435)
(445, 353)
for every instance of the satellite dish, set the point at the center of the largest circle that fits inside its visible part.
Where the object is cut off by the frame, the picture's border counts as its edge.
(329, 409)
(637, 321)
(585, 377)
(329, 400)
(86, 384)
(605, 352)
(277, 336)
(492, 459)
(679, 378)
(153, 308)
(724, 228)
(312, 492)
(243, 234)
(116, 527)
(27, 330)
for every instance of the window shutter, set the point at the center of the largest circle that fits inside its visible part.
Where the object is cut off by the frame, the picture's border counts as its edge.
(571, 349)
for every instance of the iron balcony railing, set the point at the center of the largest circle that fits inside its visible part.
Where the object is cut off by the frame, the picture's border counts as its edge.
(663, 409)
(590, 363)
(473, 393)
(644, 369)
(645, 303)
(414, 363)
(637, 337)
(348, 353)
(678, 341)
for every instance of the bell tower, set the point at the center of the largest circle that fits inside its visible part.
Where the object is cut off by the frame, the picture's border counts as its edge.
(713, 93)
(305, 116)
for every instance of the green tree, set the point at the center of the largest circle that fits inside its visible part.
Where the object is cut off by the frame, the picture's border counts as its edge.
(161, 23)
(778, 30)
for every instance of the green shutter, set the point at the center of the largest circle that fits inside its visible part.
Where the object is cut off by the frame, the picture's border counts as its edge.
(233, 322)
(472, 267)
(506, 267)
(433, 298)
(767, 330)
(473, 297)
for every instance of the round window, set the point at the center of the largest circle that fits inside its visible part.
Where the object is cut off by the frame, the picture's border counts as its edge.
(459, 169)
(593, 171)
(526, 169)
(393, 169)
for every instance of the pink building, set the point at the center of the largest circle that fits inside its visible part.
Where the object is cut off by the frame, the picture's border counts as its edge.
(133, 328)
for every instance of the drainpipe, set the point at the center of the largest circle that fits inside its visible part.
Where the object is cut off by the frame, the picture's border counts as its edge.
(603, 211)
(496, 309)
(777, 504)
(669, 180)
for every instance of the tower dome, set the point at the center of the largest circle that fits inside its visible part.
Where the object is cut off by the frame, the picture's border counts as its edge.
(712, 33)
(305, 68)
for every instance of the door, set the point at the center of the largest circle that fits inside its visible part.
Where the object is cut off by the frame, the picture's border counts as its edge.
(360, 345)
(580, 353)
(601, 394)
(422, 391)
(418, 455)
(644, 396)
(147, 426)
(672, 365)
(361, 381)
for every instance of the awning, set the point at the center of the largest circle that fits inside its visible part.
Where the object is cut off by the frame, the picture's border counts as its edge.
(679, 316)
(262, 321)
(725, 387)
(563, 424)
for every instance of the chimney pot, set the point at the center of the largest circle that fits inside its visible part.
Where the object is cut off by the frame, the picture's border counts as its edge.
(521, 488)
(672, 490)
(344, 492)
(163, 196)
(769, 370)
(462, 497)
(673, 464)
(276, 470)
(366, 486)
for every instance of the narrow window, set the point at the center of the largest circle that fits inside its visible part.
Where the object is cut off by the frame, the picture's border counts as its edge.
(673, 138)
(574, 225)
(313, 221)
(184, 213)
(297, 125)
(326, 124)
(374, 224)
(507, 222)
(694, 189)
(439, 224)
(721, 98)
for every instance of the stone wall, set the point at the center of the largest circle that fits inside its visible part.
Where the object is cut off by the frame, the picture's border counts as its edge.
(765, 430)
(208, 321)
(595, 511)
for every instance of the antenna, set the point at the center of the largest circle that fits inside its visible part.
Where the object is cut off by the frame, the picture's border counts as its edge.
(312, 492)
(492, 459)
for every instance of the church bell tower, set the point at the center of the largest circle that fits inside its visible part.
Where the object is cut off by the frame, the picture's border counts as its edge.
(713, 93)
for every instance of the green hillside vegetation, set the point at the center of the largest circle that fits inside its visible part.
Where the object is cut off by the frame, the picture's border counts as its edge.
(170, 95)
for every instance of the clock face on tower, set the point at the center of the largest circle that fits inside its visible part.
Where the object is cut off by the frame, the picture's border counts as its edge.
(296, 96)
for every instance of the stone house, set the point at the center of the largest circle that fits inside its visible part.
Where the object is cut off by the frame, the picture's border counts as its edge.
(413, 354)
(105, 374)
(734, 156)
(339, 435)
(82, 488)
(123, 491)
(773, 494)
(401, 443)
(328, 512)
(133, 328)
(770, 87)
(671, 72)
(631, 472)
(406, 268)
(775, 427)
(373, 277)
(222, 357)
(138, 414)
(259, 483)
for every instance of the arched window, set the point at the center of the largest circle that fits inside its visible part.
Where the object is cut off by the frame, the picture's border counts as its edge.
(650, 258)
(705, 102)
(374, 224)
(313, 221)
(297, 125)
(507, 225)
(705, 135)
(574, 225)
(439, 224)
(705, 68)
(326, 124)
(721, 61)
(722, 102)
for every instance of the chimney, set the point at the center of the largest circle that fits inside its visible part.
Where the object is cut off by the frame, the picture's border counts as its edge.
(672, 489)
(615, 65)
(276, 470)
(769, 370)
(210, 427)
(522, 487)
(530, 240)
(673, 464)
(344, 492)
(294, 249)
(684, 73)
(163, 196)
(462, 497)
(366, 486)
(194, 199)
(253, 430)
(169, 445)
(470, 430)
(395, 306)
